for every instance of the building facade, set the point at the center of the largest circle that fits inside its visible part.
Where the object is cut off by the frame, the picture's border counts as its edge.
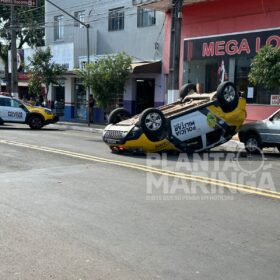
(219, 40)
(114, 26)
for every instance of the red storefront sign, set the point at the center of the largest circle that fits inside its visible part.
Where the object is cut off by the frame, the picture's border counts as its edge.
(231, 45)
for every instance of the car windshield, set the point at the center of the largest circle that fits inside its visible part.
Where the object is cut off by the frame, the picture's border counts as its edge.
(26, 102)
(276, 117)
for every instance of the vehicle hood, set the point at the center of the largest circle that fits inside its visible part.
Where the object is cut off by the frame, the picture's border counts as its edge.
(37, 109)
(256, 125)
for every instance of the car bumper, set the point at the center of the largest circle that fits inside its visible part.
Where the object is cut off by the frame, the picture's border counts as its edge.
(53, 120)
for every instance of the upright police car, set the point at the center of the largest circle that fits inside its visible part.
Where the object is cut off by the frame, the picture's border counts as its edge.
(15, 111)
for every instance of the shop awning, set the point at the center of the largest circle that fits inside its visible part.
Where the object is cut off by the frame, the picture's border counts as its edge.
(150, 67)
(162, 5)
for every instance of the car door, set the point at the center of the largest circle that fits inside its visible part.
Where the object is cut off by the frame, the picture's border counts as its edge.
(273, 129)
(13, 111)
(1, 108)
(5, 104)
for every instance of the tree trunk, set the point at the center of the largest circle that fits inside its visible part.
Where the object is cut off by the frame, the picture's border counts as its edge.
(7, 77)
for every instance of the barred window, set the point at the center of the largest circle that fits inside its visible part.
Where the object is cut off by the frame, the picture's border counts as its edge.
(81, 16)
(116, 19)
(58, 28)
(145, 17)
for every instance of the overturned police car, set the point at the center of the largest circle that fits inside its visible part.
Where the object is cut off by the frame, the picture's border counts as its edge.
(196, 122)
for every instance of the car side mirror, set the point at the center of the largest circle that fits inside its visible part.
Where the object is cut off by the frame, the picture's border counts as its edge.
(21, 106)
(271, 119)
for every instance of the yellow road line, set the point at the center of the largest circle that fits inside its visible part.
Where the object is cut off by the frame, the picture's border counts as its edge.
(189, 177)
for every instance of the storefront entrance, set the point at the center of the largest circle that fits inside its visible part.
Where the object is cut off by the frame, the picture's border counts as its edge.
(145, 94)
(211, 81)
(59, 100)
(228, 57)
(81, 100)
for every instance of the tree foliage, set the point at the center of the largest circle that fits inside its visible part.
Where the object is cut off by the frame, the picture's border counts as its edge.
(34, 85)
(29, 28)
(107, 78)
(41, 68)
(265, 68)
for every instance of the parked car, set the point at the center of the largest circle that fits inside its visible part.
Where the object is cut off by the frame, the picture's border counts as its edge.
(195, 123)
(15, 111)
(261, 134)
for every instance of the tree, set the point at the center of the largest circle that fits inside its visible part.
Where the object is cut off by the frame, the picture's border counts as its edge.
(41, 68)
(34, 85)
(107, 78)
(29, 28)
(265, 68)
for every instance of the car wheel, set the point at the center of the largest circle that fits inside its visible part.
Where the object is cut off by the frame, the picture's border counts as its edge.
(35, 122)
(253, 143)
(186, 89)
(118, 115)
(227, 96)
(153, 123)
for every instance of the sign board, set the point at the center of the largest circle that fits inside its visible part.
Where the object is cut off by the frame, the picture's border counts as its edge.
(275, 100)
(28, 3)
(230, 45)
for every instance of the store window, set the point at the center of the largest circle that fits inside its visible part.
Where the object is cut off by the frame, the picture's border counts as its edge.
(242, 70)
(145, 17)
(116, 19)
(58, 28)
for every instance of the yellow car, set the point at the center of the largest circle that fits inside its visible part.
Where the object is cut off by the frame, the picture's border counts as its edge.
(15, 111)
(195, 123)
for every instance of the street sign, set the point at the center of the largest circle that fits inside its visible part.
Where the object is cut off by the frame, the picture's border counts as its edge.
(27, 3)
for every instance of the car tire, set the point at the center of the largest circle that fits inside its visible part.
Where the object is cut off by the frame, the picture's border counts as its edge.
(228, 96)
(186, 89)
(153, 123)
(118, 115)
(35, 122)
(253, 144)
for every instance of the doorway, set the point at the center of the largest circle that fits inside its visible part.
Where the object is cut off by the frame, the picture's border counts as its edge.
(211, 77)
(145, 94)
(59, 100)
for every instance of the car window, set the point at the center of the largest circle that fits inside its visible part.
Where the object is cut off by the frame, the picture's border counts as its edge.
(5, 102)
(15, 103)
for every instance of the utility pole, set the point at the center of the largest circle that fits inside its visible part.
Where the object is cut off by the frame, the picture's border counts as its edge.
(14, 80)
(175, 45)
(87, 26)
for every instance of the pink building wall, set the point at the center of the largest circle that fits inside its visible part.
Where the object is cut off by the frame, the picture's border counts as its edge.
(222, 17)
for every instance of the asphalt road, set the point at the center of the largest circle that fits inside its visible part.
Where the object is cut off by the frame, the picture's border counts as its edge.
(70, 209)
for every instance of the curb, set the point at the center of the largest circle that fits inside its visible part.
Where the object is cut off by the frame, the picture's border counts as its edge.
(77, 128)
